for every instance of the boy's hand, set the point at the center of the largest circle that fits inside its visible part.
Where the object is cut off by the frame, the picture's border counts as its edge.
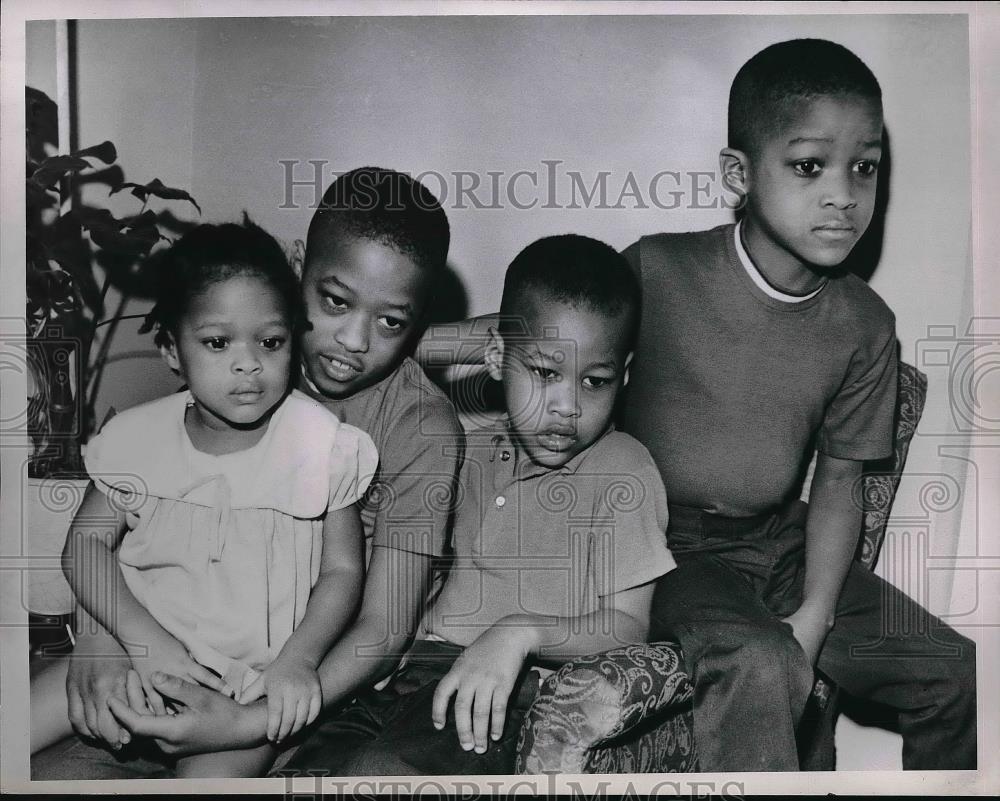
(294, 698)
(167, 654)
(481, 681)
(810, 628)
(97, 669)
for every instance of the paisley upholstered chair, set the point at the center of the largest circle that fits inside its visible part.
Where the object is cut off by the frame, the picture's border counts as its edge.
(630, 710)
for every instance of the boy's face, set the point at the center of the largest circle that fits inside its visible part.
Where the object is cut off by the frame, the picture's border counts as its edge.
(364, 300)
(811, 187)
(560, 379)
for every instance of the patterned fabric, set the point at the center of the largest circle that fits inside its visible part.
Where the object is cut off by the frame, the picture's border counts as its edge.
(630, 710)
(593, 700)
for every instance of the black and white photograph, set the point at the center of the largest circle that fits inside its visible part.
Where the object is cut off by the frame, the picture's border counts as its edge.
(500, 397)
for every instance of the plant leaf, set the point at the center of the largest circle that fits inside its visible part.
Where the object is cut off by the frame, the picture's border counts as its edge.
(156, 188)
(103, 152)
(53, 169)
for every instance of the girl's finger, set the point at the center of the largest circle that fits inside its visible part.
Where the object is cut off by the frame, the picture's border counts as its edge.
(315, 705)
(289, 709)
(202, 675)
(254, 691)
(301, 714)
(273, 716)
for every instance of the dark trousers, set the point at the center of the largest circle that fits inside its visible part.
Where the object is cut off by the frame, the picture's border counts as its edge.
(736, 578)
(389, 732)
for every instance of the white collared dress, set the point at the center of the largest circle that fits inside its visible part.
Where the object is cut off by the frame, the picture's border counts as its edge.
(224, 550)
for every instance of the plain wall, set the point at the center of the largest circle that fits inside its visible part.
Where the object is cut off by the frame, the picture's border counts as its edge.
(214, 106)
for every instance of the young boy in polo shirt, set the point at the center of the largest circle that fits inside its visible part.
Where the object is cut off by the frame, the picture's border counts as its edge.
(559, 524)
(756, 349)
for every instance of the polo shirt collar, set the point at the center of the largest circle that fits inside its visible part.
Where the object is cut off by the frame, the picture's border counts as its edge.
(522, 467)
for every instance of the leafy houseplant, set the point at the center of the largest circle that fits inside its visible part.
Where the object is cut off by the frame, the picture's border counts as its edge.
(66, 237)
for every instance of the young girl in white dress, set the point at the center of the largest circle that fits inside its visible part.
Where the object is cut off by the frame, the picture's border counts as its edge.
(219, 539)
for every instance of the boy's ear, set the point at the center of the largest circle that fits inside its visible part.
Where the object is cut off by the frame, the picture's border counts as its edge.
(628, 361)
(494, 355)
(298, 257)
(169, 354)
(735, 168)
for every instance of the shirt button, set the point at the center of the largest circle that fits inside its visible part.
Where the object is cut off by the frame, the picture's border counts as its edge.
(500, 501)
(504, 456)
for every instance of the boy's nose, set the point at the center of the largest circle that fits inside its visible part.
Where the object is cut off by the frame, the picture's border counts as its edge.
(562, 400)
(353, 335)
(840, 193)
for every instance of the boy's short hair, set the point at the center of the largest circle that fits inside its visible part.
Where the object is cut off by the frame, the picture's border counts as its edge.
(571, 269)
(387, 207)
(771, 83)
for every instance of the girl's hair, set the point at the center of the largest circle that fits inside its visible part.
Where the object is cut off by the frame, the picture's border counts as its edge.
(211, 253)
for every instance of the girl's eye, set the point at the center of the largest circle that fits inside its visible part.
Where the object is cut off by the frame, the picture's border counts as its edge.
(392, 323)
(595, 382)
(272, 343)
(866, 168)
(807, 168)
(215, 343)
(545, 373)
(334, 302)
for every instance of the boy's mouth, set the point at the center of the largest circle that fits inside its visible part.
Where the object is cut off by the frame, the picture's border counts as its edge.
(339, 369)
(558, 438)
(835, 231)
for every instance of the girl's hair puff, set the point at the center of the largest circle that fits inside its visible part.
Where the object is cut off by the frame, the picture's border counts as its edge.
(211, 253)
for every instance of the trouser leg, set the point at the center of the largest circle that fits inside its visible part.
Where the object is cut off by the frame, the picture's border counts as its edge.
(887, 648)
(751, 678)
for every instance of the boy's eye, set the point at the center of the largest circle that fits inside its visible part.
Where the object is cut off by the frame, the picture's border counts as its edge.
(544, 373)
(392, 323)
(272, 343)
(334, 302)
(866, 168)
(215, 343)
(808, 168)
(596, 382)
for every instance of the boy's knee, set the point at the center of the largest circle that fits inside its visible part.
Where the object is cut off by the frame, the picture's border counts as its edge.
(767, 661)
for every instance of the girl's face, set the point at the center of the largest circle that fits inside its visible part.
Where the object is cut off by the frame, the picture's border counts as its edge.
(233, 348)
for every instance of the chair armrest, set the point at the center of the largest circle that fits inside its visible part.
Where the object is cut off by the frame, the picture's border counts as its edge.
(594, 699)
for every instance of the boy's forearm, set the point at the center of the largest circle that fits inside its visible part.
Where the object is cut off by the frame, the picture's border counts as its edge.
(462, 342)
(113, 607)
(832, 530)
(394, 593)
(560, 639)
(332, 604)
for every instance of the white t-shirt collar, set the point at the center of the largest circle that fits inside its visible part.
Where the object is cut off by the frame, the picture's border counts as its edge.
(759, 279)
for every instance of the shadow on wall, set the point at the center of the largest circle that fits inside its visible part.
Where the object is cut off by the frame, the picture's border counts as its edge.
(867, 253)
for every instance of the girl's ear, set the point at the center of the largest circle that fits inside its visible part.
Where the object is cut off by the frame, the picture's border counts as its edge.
(298, 257)
(735, 168)
(494, 355)
(169, 354)
(628, 361)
